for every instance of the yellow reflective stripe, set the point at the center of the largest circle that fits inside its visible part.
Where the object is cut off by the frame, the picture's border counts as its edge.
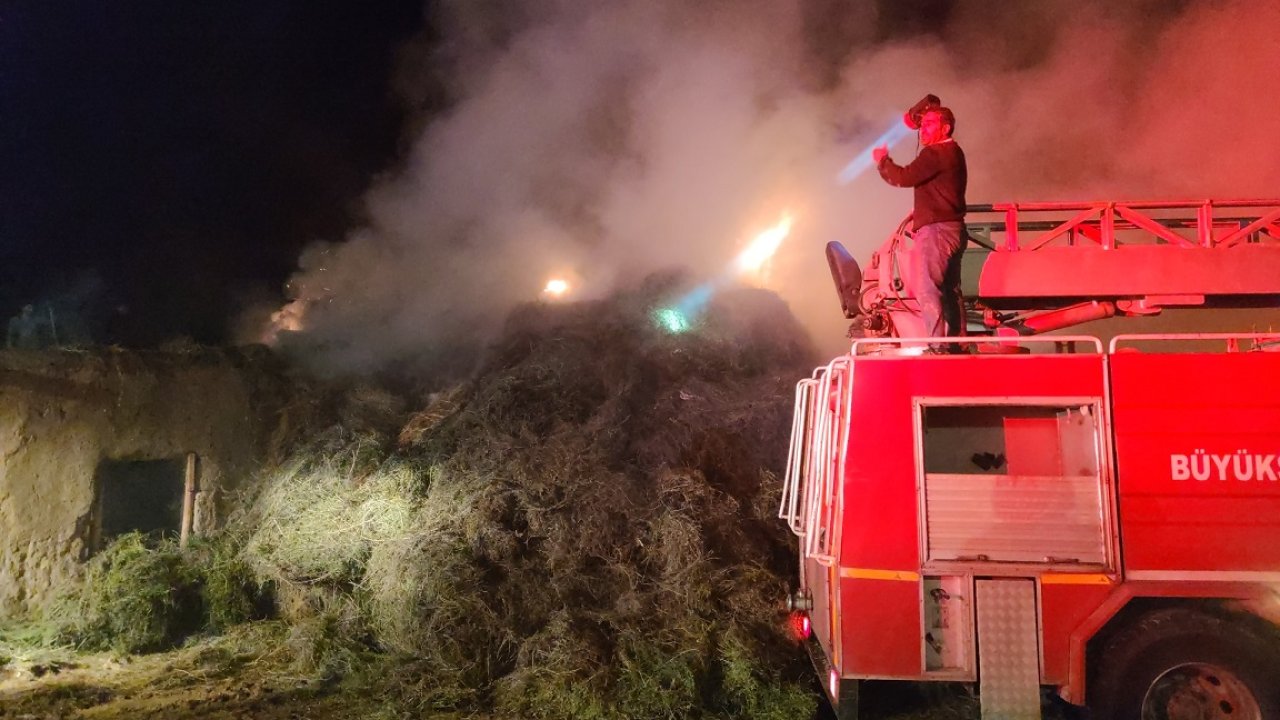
(1074, 579)
(908, 576)
(874, 574)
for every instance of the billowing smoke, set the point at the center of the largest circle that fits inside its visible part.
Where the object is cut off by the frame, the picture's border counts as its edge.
(1098, 100)
(600, 141)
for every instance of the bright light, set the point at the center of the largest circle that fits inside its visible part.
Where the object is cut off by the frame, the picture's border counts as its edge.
(287, 319)
(761, 249)
(896, 133)
(556, 288)
(751, 265)
(671, 320)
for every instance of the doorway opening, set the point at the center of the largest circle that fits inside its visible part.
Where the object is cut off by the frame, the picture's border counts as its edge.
(139, 495)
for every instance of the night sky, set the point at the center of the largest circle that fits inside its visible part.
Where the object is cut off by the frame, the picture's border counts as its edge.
(163, 162)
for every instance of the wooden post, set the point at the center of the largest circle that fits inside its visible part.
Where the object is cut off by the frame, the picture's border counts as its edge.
(188, 500)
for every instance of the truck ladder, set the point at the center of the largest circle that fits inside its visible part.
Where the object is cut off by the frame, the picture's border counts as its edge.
(1150, 254)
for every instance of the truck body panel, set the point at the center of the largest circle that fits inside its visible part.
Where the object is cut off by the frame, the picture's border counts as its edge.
(1197, 437)
(1037, 476)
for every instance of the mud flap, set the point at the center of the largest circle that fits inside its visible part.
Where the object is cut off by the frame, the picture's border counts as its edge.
(844, 703)
(847, 705)
(1008, 649)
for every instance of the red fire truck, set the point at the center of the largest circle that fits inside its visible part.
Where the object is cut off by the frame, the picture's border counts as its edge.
(1053, 511)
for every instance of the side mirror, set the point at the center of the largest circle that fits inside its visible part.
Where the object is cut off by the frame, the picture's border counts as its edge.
(847, 277)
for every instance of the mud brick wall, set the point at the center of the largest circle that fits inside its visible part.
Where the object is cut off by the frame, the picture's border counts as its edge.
(65, 413)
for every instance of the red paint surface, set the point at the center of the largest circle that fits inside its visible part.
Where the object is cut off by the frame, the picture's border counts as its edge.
(1163, 405)
(880, 619)
(1062, 609)
(1168, 405)
(881, 624)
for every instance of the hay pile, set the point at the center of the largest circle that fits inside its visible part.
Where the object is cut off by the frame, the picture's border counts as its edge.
(145, 594)
(585, 529)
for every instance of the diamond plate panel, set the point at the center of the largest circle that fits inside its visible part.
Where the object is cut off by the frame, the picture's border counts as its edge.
(1008, 650)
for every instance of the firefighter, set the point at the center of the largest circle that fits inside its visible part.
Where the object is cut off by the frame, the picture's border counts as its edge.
(939, 176)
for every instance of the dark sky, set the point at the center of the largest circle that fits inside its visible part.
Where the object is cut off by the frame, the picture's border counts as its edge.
(163, 162)
(169, 158)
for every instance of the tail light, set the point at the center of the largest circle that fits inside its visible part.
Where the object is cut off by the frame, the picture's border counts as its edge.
(801, 625)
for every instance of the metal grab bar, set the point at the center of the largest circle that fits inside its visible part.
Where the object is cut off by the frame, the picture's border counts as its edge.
(826, 462)
(862, 346)
(814, 465)
(1230, 340)
(798, 451)
(812, 473)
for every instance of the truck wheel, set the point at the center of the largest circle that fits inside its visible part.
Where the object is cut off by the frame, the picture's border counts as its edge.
(1181, 664)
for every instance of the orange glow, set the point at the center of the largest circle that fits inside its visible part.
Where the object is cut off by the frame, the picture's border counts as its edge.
(753, 261)
(556, 288)
(287, 319)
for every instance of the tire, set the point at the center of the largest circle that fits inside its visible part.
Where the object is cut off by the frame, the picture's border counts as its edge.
(1179, 663)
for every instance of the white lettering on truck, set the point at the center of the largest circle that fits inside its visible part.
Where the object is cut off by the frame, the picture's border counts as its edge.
(1242, 465)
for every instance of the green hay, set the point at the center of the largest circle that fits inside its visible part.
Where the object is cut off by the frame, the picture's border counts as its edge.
(25, 642)
(750, 689)
(560, 673)
(318, 519)
(134, 597)
(658, 677)
(230, 592)
(258, 649)
(144, 594)
(423, 600)
(328, 644)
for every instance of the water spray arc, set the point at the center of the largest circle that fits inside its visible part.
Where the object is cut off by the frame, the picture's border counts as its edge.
(681, 315)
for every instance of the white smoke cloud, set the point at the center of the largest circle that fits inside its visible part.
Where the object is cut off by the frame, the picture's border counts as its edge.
(611, 139)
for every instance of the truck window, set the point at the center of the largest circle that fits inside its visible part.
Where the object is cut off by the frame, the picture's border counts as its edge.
(1012, 483)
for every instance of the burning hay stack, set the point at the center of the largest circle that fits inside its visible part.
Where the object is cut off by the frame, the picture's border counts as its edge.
(585, 529)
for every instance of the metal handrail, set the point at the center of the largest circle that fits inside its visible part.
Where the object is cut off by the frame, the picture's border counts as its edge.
(1229, 339)
(829, 457)
(844, 415)
(1013, 341)
(1100, 221)
(815, 468)
(822, 477)
(797, 451)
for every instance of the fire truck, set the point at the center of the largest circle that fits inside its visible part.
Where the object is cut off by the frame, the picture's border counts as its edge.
(1033, 513)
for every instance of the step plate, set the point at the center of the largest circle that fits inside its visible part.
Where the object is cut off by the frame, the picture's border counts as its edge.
(1008, 650)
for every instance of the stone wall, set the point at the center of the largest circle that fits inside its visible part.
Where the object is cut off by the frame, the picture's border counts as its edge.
(63, 413)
